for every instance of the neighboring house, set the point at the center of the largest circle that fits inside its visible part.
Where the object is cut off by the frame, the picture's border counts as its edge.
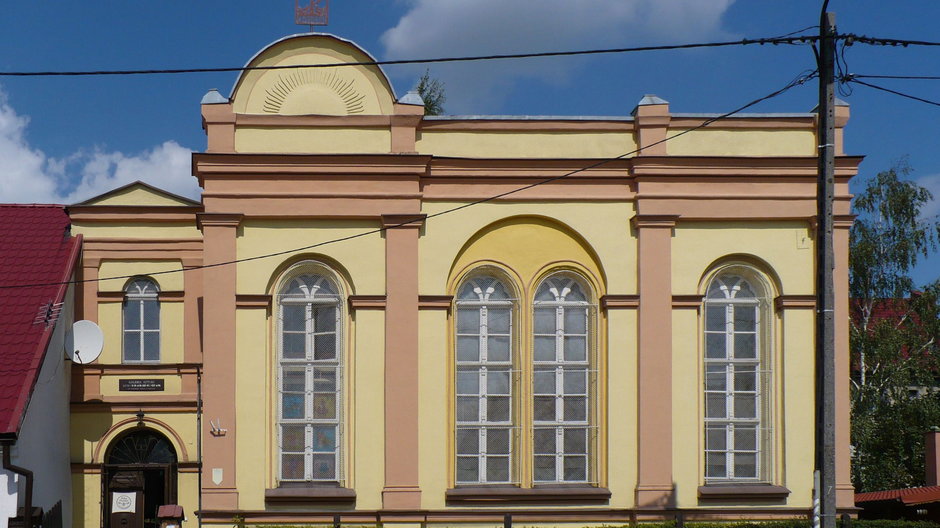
(920, 503)
(36, 248)
(626, 339)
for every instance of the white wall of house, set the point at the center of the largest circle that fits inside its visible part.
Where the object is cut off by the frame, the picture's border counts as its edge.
(43, 443)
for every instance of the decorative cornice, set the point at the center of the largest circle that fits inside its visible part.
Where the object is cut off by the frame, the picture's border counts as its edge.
(403, 221)
(219, 219)
(367, 302)
(687, 301)
(614, 301)
(641, 221)
(435, 302)
(783, 302)
(252, 300)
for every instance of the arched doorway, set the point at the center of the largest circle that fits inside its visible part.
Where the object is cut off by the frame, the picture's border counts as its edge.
(139, 477)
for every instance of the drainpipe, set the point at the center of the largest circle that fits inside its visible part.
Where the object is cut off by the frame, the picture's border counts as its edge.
(198, 440)
(28, 475)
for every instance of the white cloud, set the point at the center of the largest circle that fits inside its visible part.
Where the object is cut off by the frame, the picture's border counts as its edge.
(28, 175)
(932, 183)
(479, 27)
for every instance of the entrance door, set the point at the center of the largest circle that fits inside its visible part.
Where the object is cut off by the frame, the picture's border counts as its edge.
(139, 477)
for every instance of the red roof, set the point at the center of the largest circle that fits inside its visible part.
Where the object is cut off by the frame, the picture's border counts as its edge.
(909, 496)
(35, 248)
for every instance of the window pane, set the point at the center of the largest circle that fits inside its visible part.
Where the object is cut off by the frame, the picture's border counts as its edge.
(324, 346)
(544, 320)
(132, 346)
(715, 318)
(324, 439)
(575, 320)
(293, 346)
(745, 406)
(292, 467)
(745, 465)
(151, 346)
(497, 382)
(745, 379)
(324, 379)
(715, 378)
(715, 465)
(324, 467)
(498, 320)
(292, 438)
(715, 406)
(715, 346)
(497, 348)
(497, 409)
(294, 317)
(544, 381)
(468, 469)
(575, 348)
(544, 440)
(716, 439)
(745, 346)
(468, 441)
(293, 381)
(324, 406)
(745, 318)
(468, 382)
(544, 468)
(468, 348)
(575, 441)
(575, 409)
(497, 441)
(575, 468)
(324, 319)
(131, 314)
(151, 315)
(575, 381)
(497, 469)
(545, 348)
(545, 408)
(745, 439)
(468, 321)
(292, 406)
(468, 409)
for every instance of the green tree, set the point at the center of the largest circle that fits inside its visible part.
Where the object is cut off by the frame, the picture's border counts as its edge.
(894, 333)
(432, 91)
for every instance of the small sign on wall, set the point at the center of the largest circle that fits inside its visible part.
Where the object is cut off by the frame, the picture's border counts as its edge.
(140, 385)
(124, 502)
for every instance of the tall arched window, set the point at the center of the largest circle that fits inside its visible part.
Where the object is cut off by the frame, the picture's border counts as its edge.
(485, 358)
(563, 432)
(141, 322)
(310, 377)
(737, 378)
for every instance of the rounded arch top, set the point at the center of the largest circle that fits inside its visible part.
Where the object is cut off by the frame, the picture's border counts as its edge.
(311, 264)
(346, 90)
(752, 268)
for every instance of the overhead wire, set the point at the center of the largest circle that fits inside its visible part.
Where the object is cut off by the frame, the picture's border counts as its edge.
(797, 81)
(743, 42)
(853, 79)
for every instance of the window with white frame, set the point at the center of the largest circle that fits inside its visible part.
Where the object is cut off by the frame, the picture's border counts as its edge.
(485, 381)
(737, 379)
(310, 378)
(563, 432)
(141, 322)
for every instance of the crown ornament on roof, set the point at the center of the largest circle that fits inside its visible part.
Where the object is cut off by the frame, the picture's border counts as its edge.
(315, 13)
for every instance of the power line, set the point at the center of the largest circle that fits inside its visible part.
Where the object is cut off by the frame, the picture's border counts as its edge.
(743, 42)
(799, 80)
(902, 77)
(895, 92)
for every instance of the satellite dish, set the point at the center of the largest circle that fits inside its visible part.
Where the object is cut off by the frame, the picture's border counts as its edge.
(85, 343)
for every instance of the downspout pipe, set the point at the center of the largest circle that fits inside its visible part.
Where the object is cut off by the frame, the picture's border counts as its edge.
(28, 475)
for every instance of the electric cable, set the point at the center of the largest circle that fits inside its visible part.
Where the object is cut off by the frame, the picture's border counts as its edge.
(895, 92)
(902, 77)
(798, 81)
(742, 42)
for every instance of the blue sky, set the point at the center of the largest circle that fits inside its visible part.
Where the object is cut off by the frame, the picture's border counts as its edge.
(65, 139)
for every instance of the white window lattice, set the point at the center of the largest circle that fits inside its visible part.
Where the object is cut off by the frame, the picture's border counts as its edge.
(141, 314)
(737, 381)
(310, 380)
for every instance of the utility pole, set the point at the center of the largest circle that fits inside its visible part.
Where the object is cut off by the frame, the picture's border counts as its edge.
(825, 298)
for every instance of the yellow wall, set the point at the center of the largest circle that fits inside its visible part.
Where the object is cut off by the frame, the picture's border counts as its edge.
(516, 144)
(110, 319)
(252, 438)
(137, 196)
(144, 230)
(295, 140)
(742, 142)
(122, 268)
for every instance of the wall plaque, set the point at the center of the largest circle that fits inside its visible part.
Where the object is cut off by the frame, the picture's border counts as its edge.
(140, 385)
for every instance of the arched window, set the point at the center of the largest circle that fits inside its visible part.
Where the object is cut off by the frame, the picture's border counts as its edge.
(141, 322)
(485, 358)
(310, 377)
(563, 432)
(737, 378)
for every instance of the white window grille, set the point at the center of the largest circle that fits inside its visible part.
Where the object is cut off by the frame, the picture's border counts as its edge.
(486, 432)
(563, 381)
(141, 314)
(310, 380)
(737, 380)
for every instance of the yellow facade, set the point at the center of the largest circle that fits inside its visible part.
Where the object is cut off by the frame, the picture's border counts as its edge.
(330, 178)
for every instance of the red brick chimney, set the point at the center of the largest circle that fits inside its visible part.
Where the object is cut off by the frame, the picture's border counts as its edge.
(932, 456)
